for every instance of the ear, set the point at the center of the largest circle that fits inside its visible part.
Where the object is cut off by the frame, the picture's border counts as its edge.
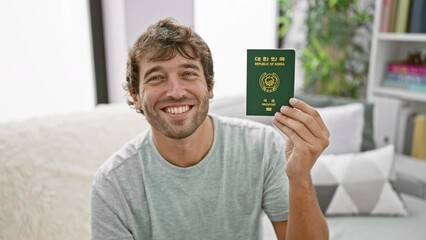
(211, 95)
(136, 100)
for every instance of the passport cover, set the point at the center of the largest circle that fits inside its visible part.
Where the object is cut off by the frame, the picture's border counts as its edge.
(270, 80)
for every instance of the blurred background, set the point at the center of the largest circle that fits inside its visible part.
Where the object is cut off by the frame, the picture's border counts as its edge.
(60, 56)
(63, 56)
(63, 110)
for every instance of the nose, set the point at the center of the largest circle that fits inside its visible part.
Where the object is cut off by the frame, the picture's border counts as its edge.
(175, 89)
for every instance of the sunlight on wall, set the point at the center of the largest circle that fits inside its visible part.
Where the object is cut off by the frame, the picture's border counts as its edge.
(45, 60)
(230, 27)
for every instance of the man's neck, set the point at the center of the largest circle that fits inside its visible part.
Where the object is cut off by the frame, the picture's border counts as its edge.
(188, 151)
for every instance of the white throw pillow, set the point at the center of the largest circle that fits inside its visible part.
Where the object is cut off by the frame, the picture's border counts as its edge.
(357, 183)
(345, 124)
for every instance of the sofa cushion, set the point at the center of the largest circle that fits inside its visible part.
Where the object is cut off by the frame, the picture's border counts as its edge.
(345, 124)
(47, 165)
(357, 183)
(325, 101)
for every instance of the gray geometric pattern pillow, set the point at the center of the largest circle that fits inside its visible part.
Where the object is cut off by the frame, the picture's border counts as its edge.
(357, 183)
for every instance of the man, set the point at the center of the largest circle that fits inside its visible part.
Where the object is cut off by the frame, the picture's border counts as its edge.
(200, 176)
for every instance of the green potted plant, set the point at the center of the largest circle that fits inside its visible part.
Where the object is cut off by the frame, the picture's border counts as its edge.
(336, 53)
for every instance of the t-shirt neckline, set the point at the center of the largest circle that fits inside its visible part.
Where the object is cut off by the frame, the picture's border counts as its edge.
(192, 169)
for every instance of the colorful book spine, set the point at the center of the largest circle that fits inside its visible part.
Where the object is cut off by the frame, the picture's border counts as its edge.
(392, 17)
(403, 134)
(409, 129)
(386, 11)
(409, 69)
(420, 88)
(402, 16)
(418, 149)
(418, 16)
(409, 77)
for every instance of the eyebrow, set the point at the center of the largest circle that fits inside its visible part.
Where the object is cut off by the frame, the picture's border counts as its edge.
(151, 70)
(158, 68)
(190, 65)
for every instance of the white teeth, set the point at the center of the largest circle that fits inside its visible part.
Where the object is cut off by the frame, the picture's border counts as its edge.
(177, 110)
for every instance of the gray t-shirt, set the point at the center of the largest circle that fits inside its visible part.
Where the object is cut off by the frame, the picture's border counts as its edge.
(137, 194)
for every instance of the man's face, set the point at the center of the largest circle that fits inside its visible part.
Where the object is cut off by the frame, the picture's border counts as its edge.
(173, 95)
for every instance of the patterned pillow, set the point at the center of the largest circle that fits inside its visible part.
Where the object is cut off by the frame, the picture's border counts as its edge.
(357, 183)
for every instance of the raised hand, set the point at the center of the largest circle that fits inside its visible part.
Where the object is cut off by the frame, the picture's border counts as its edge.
(307, 137)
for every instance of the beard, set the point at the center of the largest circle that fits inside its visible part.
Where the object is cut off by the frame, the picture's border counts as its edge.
(178, 129)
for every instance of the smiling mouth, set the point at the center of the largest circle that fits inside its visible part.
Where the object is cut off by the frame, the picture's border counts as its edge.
(177, 110)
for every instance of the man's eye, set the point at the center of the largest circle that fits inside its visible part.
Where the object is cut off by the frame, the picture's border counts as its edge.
(155, 78)
(190, 74)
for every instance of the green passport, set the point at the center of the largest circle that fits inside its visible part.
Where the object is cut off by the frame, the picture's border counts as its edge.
(270, 80)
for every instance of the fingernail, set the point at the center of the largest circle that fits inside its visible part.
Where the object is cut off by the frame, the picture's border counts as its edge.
(284, 109)
(293, 101)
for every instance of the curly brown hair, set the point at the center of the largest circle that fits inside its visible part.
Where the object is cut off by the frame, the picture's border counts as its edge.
(162, 41)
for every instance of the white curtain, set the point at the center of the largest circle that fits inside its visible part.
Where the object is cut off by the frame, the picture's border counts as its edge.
(46, 58)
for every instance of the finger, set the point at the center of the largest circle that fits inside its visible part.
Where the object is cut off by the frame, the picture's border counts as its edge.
(306, 119)
(313, 145)
(295, 126)
(312, 112)
(290, 133)
(304, 107)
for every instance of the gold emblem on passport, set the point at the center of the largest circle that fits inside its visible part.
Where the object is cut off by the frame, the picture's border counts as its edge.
(269, 82)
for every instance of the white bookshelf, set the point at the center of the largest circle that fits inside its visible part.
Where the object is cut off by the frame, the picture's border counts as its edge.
(389, 101)
(386, 47)
(402, 37)
(400, 94)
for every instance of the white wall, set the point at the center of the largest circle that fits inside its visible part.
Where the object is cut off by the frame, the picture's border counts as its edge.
(46, 58)
(230, 27)
(124, 21)
(115, 37)
(140, 14)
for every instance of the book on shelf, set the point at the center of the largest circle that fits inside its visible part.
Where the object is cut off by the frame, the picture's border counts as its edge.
(385, 17)
(421, 88)
(392, 16)
(388, 15)
(406, 76)
(418, 149)
(405, 79)
(409, 133)
(410, 69)
(402, 16)
(418, 16)
(404, 134)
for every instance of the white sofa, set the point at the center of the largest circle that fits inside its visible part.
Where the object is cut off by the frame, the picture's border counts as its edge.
(47, 165)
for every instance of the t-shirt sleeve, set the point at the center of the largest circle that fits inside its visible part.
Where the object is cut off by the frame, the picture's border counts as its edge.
(275, 188)
(107, 216)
